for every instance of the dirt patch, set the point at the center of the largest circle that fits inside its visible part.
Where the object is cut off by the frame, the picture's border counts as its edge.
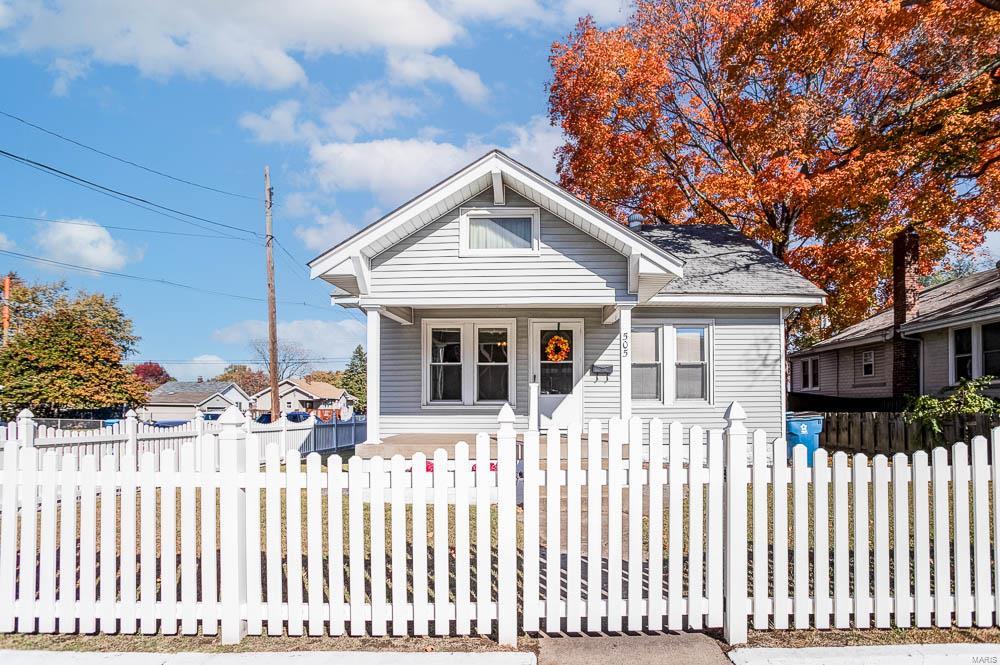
(871, 637)
(211, 644)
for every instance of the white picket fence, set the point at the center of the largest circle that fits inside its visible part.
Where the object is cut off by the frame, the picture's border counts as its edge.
(708, 532)
(134, 438)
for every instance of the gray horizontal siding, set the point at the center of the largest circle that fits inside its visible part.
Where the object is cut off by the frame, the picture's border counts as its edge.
(747, 367)
(572, 266)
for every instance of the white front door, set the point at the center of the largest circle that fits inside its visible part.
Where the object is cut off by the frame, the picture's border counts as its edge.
(556, 347)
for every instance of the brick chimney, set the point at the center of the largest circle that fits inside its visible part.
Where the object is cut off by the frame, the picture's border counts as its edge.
(905, 289)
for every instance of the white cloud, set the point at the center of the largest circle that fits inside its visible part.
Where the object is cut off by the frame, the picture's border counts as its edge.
(278, 124)
(323, 339)
(368, 109)
(85, 243)
(523, 13)
(66, 71)
(5, 242)
(248, 41)
(396, 169)
(417, 68)
(326, 231)
(206, 366)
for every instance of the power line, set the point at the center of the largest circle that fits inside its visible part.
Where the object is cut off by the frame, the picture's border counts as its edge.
(255, 361)
(126, 161)
(123, 228)
(40, 166)
(154, 280)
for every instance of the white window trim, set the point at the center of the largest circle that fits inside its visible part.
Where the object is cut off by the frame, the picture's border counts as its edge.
(493, 212)
(469, 328)
(812, 377)
(660, 348)
(868, 358)
(977, 349)
(668, 359)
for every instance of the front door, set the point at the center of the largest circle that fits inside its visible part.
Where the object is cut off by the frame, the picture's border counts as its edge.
(557, 367)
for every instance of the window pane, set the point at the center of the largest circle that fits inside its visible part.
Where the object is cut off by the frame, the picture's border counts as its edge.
(500, 233)
(991, 337)
(963, 341)
(814, 371)
(963, 367)
(446, 345)
(690, 345)
(644, 346)
(646, 381)
(690, 382)
(492, 382)
(493, 345)
(556, 378)
(556, 346)
(446, 383)
(991, 363)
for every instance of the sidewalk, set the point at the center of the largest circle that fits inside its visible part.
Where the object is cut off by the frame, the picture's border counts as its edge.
(903, 654)
(669, 649)
(13, 657)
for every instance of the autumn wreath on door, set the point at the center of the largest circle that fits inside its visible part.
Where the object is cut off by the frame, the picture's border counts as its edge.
(557, 350)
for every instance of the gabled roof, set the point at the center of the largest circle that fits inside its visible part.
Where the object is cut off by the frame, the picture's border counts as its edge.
(959, 300)
(718, 259)
(188, 392)
(346, 264)
(314, 389)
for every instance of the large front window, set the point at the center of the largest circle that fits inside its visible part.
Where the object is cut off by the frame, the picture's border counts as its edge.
(672, 362)
(468, 362)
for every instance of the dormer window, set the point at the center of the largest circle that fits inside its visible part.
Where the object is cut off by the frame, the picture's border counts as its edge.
(498, 231)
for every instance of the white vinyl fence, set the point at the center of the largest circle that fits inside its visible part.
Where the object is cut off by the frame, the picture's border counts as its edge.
(610, 537)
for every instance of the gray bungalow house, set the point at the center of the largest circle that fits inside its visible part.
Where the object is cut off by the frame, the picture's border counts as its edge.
(496, 285)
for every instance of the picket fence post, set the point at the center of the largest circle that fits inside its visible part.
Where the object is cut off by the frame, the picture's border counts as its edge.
(506, 529)
(26, 429)
(199, 422)
(735, 542)
(132, 432)
(232, 504)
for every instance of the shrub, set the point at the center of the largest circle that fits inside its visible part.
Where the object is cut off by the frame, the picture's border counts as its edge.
(965, 400)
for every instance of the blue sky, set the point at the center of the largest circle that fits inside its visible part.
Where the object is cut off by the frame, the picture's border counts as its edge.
(355, 107)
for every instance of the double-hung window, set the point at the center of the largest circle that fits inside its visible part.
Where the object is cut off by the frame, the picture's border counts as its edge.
(962, 353)
(499, 231)
(466, 362)
(868, 363)
(991, 349)
(810, 373)
(647, 367)
(672, 362)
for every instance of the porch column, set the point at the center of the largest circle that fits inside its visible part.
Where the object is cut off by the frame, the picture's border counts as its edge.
(625, 342)
(374, 372)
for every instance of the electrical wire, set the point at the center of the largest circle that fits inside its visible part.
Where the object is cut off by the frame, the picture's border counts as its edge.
(255, 361)
(154, 280)
(123, 228)
(89, 184)
(127, 161)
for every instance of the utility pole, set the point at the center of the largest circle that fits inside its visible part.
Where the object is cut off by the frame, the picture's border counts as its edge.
(6, 307)
(272, 315)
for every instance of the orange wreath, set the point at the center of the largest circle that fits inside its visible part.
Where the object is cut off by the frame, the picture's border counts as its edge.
(557, 349)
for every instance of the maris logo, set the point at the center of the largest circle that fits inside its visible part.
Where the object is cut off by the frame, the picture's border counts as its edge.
(985, 660)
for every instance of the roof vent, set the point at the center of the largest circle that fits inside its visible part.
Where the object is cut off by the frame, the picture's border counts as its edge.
(635, 221)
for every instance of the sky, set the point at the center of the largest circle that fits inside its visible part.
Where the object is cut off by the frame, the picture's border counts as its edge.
(355, 106)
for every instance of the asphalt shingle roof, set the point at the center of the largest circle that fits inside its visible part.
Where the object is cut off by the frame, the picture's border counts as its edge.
(186, 392)
(963, 296)
(718, 259)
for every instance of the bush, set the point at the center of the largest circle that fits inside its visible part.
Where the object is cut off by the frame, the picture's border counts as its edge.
(965, 400)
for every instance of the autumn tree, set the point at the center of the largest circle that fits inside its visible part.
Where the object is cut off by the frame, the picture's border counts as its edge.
(152, 374)
(62, 361)
(293, 358)
(252, 381)
(820, 128)
(334, 378)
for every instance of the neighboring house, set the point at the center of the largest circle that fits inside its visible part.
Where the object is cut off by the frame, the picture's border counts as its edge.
(181, 400)
(316, 397)
(928, 340)
(497, 278)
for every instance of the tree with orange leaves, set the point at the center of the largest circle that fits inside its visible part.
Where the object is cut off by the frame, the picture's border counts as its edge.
(820, 128)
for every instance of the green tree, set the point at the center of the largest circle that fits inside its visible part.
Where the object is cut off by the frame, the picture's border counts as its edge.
(355, 379)
(61, 361)
(326, 376)
(252, 381)
(965, 400)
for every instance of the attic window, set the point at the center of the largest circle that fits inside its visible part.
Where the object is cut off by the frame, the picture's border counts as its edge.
(498, 231)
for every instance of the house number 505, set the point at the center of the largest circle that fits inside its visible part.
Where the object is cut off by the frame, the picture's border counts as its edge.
(625, 344)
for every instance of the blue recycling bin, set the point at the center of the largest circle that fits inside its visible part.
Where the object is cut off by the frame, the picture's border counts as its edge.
(803, 430)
